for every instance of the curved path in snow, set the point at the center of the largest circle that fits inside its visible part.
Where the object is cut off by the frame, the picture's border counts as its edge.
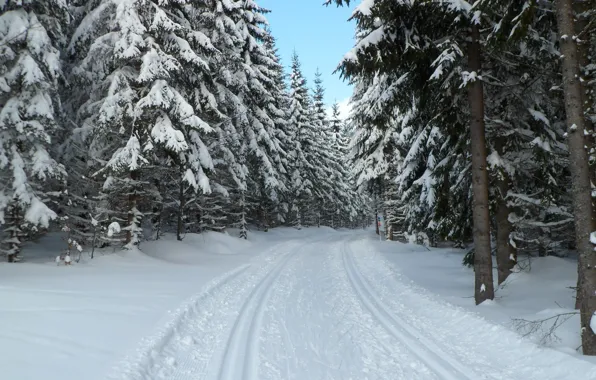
(330, 307)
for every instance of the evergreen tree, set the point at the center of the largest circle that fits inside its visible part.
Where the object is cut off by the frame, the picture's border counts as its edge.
(302, 133)
(272, 207)
(328, 186)
(31, 34)
(133, 57)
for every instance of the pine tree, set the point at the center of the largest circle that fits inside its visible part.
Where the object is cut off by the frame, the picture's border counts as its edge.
(264, 155)
(329, 187)
(302, 133)
(31, 34)
(140, 103)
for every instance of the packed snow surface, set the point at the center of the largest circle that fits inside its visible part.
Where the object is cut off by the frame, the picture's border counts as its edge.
(311, 304)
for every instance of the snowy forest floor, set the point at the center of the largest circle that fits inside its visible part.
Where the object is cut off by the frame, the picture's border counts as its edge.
(286, 304)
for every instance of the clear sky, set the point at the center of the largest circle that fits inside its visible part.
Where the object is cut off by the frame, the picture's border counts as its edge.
(321, 36)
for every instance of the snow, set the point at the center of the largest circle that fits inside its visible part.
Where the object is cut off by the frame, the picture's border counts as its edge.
(38, 213)
(531, 294)
(113, 228)
(593, 237)
(469, 77)
(79, 321)
(539, 116)
(286, 304)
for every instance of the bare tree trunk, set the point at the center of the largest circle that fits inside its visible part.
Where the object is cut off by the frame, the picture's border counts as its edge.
(243, 229)
(15, 236)
(483, 272)
(583, 49)
(377, 222)
(580, 173)
(266, 218)
(506, 254)
(132, 205)
(181, 205)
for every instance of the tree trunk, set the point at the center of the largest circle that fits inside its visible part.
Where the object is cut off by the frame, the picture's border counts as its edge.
(298, 219)
(506, 254)
(377, 222)
(484, 288)
(132, 205)
(200, 216)
(243, 229)
(583, 49)
(580, 173)
(181, 205)
(14, 245)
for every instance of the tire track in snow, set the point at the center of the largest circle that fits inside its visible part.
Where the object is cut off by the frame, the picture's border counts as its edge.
(241, 356)
(442, 364)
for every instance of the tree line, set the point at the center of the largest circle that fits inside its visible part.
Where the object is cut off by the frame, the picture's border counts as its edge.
(474, 120)
(122, 120)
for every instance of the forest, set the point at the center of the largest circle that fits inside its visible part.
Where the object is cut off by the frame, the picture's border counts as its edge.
(471, 125)
(124, 120)
(475, 121)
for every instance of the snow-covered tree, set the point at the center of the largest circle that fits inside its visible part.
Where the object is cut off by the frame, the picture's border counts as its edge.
(302, 133)
(135, 59)
(434, 51)
(31, 34)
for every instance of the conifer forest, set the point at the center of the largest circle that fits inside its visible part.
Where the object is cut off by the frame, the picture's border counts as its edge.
(471, 126)
(122, 120)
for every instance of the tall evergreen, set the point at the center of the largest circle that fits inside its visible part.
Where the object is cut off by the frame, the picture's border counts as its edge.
(31, 36)
(140, 104)
(302, 133)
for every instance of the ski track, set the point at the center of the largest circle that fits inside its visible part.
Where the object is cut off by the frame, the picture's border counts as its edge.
(241, 356)
(314, 309)
(191, 343)
(241, 352)
(148, 363)
(175, 352)
(427, 352)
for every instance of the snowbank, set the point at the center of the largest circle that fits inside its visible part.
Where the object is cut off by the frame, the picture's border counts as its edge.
(76, 322)
(542, 290)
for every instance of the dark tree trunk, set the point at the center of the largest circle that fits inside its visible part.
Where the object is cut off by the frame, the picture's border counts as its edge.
(506, 254)
(15, 236)
(181, 205)
(580, 173)
(583, 49)
(377, 222)
(243, 229)
(132, 205)
(484, 288)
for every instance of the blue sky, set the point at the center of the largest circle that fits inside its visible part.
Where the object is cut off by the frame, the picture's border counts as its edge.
(321, 36)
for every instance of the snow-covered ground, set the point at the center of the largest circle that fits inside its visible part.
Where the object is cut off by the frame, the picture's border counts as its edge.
(287, 304)
(542, 288)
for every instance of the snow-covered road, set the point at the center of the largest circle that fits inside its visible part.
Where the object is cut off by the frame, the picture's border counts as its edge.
(330, 307)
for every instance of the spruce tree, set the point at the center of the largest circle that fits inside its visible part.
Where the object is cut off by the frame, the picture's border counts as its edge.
(302, 133)
(139, 104)
(31, 34)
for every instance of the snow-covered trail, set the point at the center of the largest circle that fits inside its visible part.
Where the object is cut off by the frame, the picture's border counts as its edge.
(330, 307)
